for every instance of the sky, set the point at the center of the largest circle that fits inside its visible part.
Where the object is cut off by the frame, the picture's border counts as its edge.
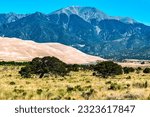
(136, 9)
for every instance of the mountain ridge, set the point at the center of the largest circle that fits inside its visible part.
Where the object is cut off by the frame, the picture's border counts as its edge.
(88, 13)
(100, 14)
(108, 38)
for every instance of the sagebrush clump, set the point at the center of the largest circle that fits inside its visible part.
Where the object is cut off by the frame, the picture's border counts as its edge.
(42, 66)
(107, 68)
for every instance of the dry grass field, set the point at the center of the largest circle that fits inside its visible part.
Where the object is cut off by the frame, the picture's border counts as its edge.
(77, 86)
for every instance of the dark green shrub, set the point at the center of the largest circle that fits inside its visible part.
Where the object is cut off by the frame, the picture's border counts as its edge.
(146, 84)
(12, 83)
(128, 70)
(108, 82)
(143, 62)
(128, 85)
(67, 98)
(108, 68)
(69, 88)
(73, 67)
(13, 63)
(76, 67)
(24, 94)
(94, 74)
(39, 91)
(25, 72)
(146, 70)
(129, 77)
(139, 68)
(46, 65)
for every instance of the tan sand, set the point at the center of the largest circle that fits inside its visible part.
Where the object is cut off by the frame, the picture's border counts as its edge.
(13, 49)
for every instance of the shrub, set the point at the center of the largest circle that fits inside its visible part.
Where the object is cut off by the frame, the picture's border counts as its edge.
(76, 67)
(18, 91)
(146, 84)
(12, 83)
(67, 98)
(146, 70)
(13, 63)
(139, 68)
(78, 88)
(108, 82)
(128, 70)
(69, 88)
(25, 72)
(108, 68)
(143, 62)
(39, 91)
(130, 96)
(73, 67)
(87, 94)
(84, 67)
(114, 86)
(140, 84)
(94, 74)
(46, 65)
(129, 77)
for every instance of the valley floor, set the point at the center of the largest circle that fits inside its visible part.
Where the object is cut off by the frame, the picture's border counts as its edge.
(77, 86)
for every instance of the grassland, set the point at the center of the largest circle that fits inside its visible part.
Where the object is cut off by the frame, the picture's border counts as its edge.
(77, 86)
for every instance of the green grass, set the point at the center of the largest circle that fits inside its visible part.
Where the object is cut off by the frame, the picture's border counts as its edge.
(77, 86)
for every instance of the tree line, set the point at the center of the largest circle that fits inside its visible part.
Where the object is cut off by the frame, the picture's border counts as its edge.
(54, 66)
(13, 63)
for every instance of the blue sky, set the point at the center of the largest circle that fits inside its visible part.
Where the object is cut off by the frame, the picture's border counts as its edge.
(136, 9)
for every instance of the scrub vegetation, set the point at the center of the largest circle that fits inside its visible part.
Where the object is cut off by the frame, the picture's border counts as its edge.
(80, 82)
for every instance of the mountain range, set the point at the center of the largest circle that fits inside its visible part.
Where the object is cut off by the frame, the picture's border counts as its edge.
(85, 28)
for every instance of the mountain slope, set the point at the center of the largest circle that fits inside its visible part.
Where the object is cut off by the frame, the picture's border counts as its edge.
(89, 13)
(87, 29)
(10, 17)
(13, 49)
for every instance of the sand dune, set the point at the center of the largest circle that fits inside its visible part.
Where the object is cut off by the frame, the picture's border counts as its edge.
(13, 49)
